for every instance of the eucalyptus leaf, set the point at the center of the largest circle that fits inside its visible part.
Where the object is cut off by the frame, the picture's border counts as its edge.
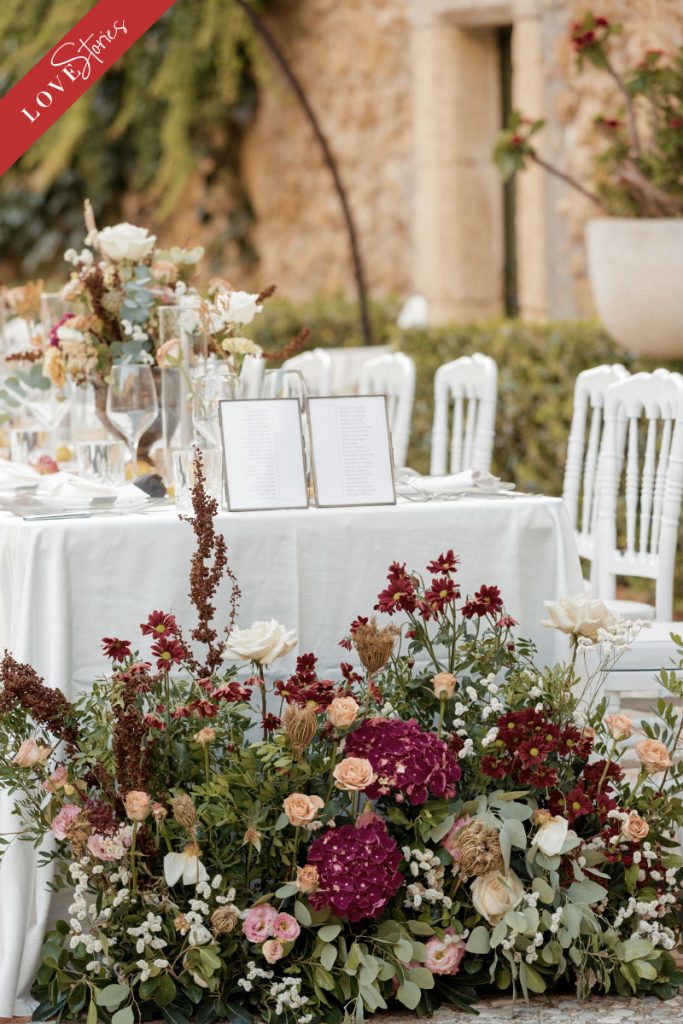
(479, 940)
(409, 994)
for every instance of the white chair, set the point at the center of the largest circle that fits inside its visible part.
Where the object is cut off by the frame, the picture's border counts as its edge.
(316, 369)
(393, 375)
(471, 381)
(651, 462)
(581, 489)
(251, 376)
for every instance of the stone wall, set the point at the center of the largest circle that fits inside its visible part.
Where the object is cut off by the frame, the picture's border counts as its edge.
(351, 57)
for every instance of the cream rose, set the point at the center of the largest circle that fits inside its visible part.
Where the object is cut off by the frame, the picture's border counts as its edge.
(653, 755)
(354, 774)
(302, 809)
(620, 726)
(551, 836)
(138, 805)
(238, 307)
(635, 828)
(307, 878)
(495, 893)
(30, 753)
(578, 616)
(263, 642)
(444, 685)
(125, 242)
(342, 712)
(205, 735)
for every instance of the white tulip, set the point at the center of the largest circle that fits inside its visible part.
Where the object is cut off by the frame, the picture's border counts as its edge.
(264, 642)
(185, 866)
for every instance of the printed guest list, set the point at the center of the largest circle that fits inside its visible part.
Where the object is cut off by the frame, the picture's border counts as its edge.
(263, 454)
(351, 447)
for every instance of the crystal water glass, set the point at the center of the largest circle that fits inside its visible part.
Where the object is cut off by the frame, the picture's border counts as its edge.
(219, 385)
(184, 475)
(132, 403)
(102, 461)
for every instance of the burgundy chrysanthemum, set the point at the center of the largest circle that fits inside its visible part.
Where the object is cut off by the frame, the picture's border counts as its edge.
(117, 650)
(444, 563)
(406, 760)
(357, 870)
(486, 601)
(159, 624)
(305, 689)
(168, 652)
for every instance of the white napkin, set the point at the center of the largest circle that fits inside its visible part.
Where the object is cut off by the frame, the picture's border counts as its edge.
(15, 474)
(69, 488)
(454, 483)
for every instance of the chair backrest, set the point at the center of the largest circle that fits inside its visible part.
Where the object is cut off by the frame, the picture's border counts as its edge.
(393, 375)
(316, 369)
(648, 454)
(251, 376)
(580, 490)
(469, 385)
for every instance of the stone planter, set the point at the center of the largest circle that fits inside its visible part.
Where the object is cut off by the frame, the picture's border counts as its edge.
(635, 267)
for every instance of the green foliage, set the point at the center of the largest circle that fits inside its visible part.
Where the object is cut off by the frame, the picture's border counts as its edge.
(178, 100)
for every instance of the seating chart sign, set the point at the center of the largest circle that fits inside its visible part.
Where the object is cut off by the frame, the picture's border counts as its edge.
(351, 449)
(263, 454)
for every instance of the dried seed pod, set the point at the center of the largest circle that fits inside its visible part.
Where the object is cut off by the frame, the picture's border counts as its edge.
(301, 725)
(374, 645)
(478, 849)
(184, 811)
(223, 920)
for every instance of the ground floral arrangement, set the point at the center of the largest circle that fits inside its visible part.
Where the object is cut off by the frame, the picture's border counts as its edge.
(441, 821)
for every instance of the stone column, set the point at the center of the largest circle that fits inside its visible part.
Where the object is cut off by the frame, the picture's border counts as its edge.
(457, 233)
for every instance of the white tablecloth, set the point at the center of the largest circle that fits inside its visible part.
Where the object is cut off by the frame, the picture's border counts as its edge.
(64, 584)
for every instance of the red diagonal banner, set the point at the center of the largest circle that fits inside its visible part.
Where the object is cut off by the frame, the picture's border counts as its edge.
(69, 68)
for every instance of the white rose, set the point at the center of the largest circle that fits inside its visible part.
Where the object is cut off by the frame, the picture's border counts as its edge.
(495, 893)
(239, 307)
(125, 242)
(551, 837)
(264, 642)
(580, 616)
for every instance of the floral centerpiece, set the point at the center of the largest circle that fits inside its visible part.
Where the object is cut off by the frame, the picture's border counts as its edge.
(439, 820)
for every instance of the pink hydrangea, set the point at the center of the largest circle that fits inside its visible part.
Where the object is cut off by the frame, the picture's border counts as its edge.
(357, 870)
(285, 928)
(258, 921)
(408, 762)
(64, 819)
(444, 956)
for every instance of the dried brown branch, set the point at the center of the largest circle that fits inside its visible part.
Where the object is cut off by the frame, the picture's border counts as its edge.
(23, 687)
(292, 348)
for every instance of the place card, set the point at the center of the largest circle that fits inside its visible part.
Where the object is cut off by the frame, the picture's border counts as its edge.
(263, 454)
(351, 448)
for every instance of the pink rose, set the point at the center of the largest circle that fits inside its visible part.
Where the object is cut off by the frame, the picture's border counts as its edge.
(445, 957)
(258, 921)
(98, 848)
(273, 950)
(64, 819)
(285, 927)
(56, 780)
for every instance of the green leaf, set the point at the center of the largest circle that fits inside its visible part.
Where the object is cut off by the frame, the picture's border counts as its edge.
(329, 932)
(439, 831)
(302, 914)
(645, 969)
(636, 948)
(511, 811)
(516, 920)
(404, 951)
(328, 956)
(112, 996)
(586, 892)
(174, 1015)
(479, 940)
(421, 977)
(288, 889)
(420, 928)
(166, 991)
(92, 1013)
(124, 1016)
(533, 980)
(409, 994)
(515, 830)
(545, 893)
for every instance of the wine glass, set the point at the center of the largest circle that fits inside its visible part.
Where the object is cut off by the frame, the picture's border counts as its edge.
(132, 404)
(209, 391)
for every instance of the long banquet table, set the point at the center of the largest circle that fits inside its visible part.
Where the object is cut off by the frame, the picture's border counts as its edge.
(66, 583)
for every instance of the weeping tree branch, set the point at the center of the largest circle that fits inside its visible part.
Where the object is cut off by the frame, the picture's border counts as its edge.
(273, 46)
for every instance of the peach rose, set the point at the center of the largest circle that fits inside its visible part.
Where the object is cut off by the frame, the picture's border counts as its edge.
(272, 950)
(307, 878)
(620, 726)
(353, 774)
(342, 712)
(30, 753)
(302, 809)
(653, 755)
(138, 805)
(444, 685)
(635, 828)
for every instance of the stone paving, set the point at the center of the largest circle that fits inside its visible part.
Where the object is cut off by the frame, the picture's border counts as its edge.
(558, 1010)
